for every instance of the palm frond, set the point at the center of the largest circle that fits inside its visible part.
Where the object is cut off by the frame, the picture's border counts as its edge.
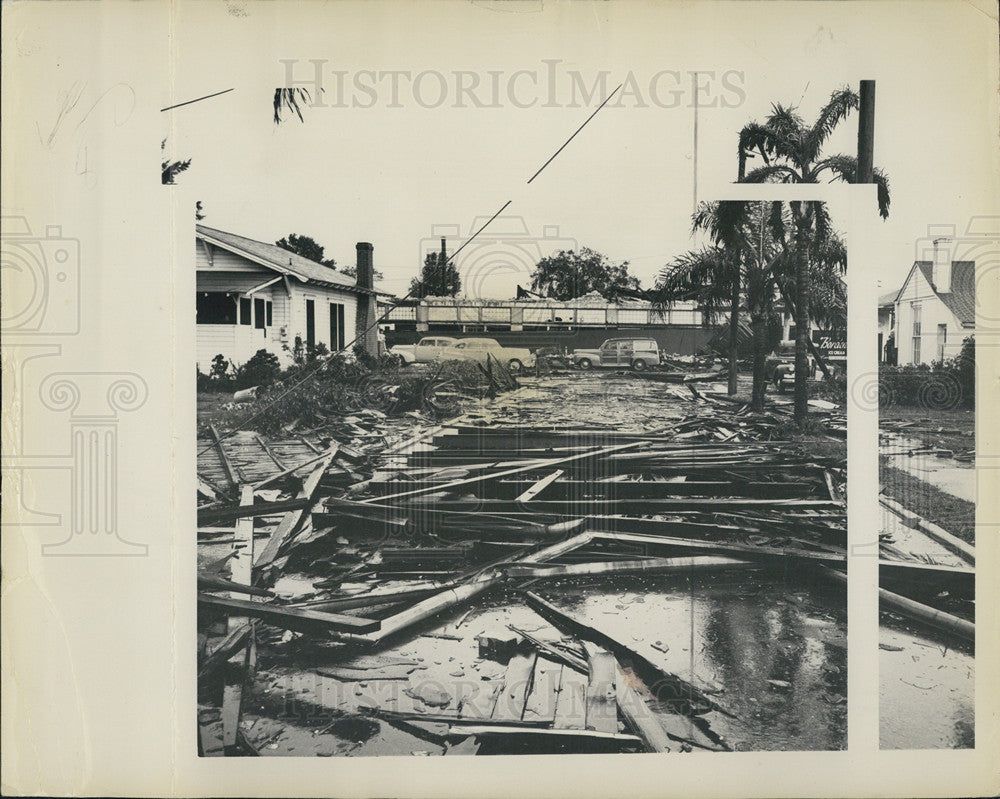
(839, 106)
(776, 173)
(845, 168)
(293, 100)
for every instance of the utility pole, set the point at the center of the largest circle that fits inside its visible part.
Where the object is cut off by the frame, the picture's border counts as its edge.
(866, 133)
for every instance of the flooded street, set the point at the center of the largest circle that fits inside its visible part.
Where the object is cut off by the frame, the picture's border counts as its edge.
(942, 471)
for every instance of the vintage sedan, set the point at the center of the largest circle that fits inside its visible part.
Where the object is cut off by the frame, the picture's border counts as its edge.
(480, 349)
(424, 351)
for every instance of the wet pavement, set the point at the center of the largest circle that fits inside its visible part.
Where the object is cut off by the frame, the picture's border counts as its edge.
(926, 689)
(944, 472)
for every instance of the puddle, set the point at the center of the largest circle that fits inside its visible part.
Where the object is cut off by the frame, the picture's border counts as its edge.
(772, 655)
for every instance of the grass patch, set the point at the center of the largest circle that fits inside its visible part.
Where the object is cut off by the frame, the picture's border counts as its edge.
(955, 515)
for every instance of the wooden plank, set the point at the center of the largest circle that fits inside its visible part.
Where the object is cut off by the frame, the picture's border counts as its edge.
(516, 686)
(541, 733)
(539, 486)
(291, 520)
(602, 703)
(571, 705)
(289, 618)
(638, 715)
(226, 464)
(541, 702)
(239, 666)
(597, 453)
(651, 565)
(278, 475)
(214, 515)
(270, 453)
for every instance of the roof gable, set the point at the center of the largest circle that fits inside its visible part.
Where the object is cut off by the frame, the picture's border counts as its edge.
(961, 300)
(276, 258)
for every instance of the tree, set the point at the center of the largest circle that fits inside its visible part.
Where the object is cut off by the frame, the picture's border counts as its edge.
(438, 278)
(352, 271)
(170, 169)
(569, 274)
(306, 247)
(736, 274)
(792, 153)
(291, 99)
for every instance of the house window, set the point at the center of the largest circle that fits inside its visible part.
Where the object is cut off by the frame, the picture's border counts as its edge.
(942, 339)
(259, 314)
(310, 324)
(337, 341)
(215, 308)
(916, 333)
(269, 313)
(246, 311)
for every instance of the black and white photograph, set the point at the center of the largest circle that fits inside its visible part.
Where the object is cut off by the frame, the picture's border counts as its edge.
(927, 487)
(500, 380)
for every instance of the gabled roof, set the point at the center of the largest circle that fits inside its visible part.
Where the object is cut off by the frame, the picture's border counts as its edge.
(961, 300)
(276, 258)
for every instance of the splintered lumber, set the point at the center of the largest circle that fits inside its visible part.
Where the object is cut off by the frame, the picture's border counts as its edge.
(226, 463)
(638, 715)
(442, 718)
(541, 702)
(541, 734)
(552, 652)
(651, 565)
(723, 546)
(293, 469)
(571, 705)
(916, 610)
(602, 703)
(372, 598)
(429, 607)
(234, 641)
(516, 687)
(210, 582)
(289, 618)
(593, 454)
(211, 516)
(239, 667)
(291, 519)
(684, 694)
(539, 486)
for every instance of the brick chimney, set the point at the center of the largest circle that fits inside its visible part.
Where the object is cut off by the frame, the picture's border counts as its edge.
(941, 269)
(366, 330)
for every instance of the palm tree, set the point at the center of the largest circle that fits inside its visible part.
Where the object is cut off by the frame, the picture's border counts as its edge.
(738, 272)
(792, 153)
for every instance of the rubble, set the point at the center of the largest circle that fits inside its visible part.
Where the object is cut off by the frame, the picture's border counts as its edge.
(365, 534)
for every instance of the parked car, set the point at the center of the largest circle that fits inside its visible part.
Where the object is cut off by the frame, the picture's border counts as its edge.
(616, 353)
(424, 351)
(479, 349)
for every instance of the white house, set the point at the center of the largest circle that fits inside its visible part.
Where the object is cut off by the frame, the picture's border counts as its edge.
(886, 324)
(253, 296)
(935, 307)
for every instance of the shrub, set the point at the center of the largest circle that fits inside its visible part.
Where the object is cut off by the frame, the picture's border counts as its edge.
(261, 370)
(942, 385)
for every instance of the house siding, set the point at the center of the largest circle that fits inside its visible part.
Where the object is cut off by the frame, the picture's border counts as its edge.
(933, 312)
(238, 343)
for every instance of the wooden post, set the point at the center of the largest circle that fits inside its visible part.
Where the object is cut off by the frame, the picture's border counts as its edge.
(866, 133)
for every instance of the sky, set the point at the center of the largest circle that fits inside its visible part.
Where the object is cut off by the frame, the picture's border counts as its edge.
(435, 116)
